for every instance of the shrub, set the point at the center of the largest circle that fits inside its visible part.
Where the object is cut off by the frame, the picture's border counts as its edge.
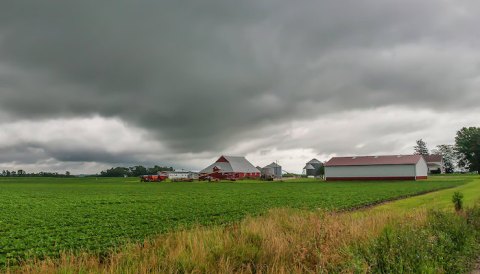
(457, 200)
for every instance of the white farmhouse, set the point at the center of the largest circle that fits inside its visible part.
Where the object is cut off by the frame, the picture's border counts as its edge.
(388, 167)
(435, 164)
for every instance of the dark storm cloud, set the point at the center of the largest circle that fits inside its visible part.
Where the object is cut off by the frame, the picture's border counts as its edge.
(29, 153)
(198, 74)
(32, 152)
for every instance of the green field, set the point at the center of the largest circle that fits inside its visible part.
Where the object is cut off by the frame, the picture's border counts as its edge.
(43, 216)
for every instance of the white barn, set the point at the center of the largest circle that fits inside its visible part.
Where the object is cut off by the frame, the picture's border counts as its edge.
(388, 167)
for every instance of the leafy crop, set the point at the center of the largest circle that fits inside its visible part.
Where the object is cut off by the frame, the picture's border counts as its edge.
(43, 216)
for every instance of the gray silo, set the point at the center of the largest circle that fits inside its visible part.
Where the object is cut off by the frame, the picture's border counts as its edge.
(313, 168)
(272, 169)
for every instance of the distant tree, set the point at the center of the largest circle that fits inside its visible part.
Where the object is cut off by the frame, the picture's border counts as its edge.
(138, 170)
(67, 173)
(449, 155)
(115, 172)
(133, 171)
(467, 144)
(156, 169)
(21, 172)
(321, 171)
(421, 148)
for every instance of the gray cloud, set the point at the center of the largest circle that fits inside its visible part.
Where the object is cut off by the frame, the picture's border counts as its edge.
(22, 153)
(201, 76)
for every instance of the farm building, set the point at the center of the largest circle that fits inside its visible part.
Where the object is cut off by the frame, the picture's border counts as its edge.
(313, 168)
(390, 167)
(435, 164)
(182, 175)
(272, 170)
(231, 167)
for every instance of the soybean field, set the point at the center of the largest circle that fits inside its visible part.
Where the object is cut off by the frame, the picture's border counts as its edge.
(41, 217)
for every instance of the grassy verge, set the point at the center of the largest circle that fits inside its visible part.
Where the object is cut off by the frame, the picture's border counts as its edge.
(443, 243)
(437, 200)
(403, 236)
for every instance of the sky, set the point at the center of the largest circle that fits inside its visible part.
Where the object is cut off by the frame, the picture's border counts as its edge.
(88, 85)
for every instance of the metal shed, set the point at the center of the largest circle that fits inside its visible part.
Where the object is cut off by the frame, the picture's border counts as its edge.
(388, 167)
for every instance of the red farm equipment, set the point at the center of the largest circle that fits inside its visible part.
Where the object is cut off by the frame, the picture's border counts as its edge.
(153, 178)
(217, 176)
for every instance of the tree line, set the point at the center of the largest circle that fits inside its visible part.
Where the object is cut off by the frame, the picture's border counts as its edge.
(112, 172)
(464, 155)
(133, 171)
(23, 173)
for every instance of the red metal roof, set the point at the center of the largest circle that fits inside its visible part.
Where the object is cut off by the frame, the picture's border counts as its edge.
(433, 158)
(374, 160)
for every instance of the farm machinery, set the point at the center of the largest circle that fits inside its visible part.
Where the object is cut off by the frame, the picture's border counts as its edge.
(215, 176)
(153, 178)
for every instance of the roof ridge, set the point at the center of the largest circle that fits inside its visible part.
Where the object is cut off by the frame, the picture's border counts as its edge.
(396, 159)
(385, 155)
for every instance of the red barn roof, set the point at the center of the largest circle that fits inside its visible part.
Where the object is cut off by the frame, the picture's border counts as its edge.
(433, 158)
(374, 160)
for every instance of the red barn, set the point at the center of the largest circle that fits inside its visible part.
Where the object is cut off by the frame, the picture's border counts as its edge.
(231, 167)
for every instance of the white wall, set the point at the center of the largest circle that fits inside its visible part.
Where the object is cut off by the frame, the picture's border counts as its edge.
(435, 166)
(373, 171)
(180, 175)
(421, 168)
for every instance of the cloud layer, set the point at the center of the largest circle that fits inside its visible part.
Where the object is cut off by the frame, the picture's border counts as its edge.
(169, 81)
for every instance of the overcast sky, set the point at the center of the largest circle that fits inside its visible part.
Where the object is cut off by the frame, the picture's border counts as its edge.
(87, 85)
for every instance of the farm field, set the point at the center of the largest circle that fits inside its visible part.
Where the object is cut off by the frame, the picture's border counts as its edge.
(43, 216)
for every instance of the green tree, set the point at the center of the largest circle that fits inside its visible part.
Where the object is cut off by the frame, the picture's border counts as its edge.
(133, 171)
(138, 170)
(421, 148)
(467, 144)
(114, 172)
(156, 169)
(449, 155)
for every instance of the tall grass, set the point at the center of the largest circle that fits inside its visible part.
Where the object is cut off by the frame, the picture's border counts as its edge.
(295, 241)
(445, 243)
